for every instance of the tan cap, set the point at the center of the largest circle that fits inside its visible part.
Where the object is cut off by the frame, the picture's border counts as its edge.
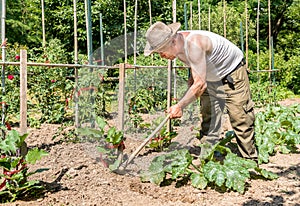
(158, 35)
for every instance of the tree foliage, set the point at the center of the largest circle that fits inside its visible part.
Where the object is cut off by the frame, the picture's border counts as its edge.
(24, 25)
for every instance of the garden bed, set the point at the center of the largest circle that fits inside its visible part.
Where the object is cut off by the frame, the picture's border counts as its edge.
(75, 176)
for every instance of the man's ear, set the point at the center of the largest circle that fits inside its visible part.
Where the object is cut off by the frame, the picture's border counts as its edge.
(173, 42)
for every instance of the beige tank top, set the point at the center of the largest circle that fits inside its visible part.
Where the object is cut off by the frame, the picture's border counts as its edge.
(223, 59)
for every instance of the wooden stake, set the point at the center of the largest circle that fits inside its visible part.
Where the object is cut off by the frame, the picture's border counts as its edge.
(191, 15)
(121, 108)
(246, 28)
(169, 97)
(23, 92)
(199, 14)
(257, 34)
(121, 97)
(209, 18)
(270, 50)
(224, 17)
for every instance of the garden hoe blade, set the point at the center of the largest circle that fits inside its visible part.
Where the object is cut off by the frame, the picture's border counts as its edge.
(121, 169)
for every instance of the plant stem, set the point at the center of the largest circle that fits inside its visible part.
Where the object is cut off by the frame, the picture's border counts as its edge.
(196, 168)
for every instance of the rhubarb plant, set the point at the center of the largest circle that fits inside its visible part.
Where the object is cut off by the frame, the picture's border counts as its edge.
(14, 166)
(162, 140)
(110, 141)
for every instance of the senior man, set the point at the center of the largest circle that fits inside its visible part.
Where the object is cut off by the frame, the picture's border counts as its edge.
(219, 77)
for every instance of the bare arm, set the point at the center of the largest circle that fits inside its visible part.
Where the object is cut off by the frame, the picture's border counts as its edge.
(197, 49)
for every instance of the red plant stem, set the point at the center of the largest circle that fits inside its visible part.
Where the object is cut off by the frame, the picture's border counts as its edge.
(12, 172)
(103, 161)
(3, 183)
(115, 146)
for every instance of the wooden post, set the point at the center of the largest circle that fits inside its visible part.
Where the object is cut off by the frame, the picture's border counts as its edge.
(135, 34)
(174, 61)
(23, 92)
(88, 19)
(185, 17)
(3, 18)
(169, 97)
(246, 28)
(121, 97)
(121, 108)
(125, 31)
(150, 12)
(76, 62)
(199, 14)
(270, 50)
(257, 34)
(224, 17)
(209, 18)
(43, 23)
(191, 15)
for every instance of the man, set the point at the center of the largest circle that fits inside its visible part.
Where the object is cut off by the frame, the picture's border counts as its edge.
(219, 78)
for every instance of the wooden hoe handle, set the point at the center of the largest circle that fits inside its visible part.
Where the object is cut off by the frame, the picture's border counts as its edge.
(134, 154)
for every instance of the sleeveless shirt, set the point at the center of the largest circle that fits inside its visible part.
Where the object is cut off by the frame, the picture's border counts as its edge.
(223, 59)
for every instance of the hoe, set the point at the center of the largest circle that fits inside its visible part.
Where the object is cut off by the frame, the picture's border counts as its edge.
(122, 167)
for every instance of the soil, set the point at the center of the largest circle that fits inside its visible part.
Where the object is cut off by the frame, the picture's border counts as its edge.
(75, 176)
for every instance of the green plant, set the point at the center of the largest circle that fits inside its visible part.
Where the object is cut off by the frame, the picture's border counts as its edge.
(15, 167)
(94, 94)
(264, 93)
(230, 173)
(110, 141)
(144, 100)
(49, 89)
(162, 140)
(68, 133)
(137, 120)
(277, 129)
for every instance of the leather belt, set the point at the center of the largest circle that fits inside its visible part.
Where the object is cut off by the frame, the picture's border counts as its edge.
(242, 63)
(228, 79)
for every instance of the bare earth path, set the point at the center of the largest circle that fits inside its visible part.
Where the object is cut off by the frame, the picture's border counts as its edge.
(75, 177)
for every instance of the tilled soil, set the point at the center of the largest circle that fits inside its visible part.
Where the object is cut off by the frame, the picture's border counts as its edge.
(75, 176)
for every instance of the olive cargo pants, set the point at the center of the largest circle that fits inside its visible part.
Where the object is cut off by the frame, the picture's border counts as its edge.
(232, 94)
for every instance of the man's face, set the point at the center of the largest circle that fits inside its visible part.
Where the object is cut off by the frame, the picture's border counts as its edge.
(167, 52)
(167, 55)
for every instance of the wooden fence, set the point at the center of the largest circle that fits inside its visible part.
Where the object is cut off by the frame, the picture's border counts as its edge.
(23, 64)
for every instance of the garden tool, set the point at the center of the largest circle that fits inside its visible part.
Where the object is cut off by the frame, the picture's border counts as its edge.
(122, 167)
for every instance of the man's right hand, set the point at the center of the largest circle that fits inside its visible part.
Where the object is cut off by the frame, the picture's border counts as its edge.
(175, 111)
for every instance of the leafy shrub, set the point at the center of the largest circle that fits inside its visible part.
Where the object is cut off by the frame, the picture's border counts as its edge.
(263, 93)
(49, 89)
(277, 129)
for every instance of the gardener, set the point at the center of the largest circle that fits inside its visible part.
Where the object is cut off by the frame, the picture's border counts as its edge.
(219, 78)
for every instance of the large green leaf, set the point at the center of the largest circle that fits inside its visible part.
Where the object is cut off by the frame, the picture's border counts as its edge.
(234, 172)
(8, 145)
(101, 123)
(180, 161)
(90, 132)
(114, 136)
(266, 174)
(155, 173)
(34, 155)
(198, 180)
